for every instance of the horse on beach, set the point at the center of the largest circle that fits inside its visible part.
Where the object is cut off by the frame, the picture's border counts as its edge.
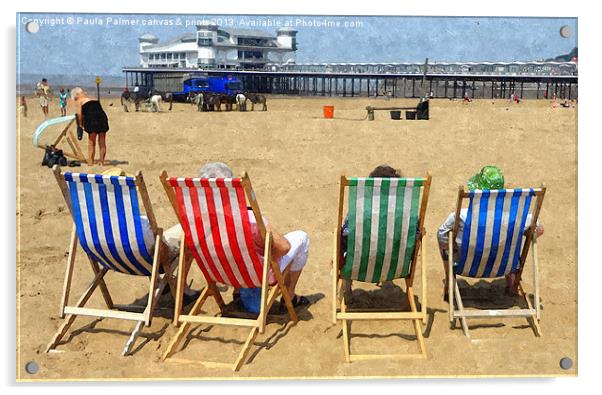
(144, 96)
(256, 99)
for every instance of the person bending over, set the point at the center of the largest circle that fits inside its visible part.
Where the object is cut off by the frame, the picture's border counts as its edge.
(93, 120)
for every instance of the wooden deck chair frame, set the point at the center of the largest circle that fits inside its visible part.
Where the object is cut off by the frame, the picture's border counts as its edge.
(67, 135)
(157, 282)
(532, 312)
(346, 315)
(268, 293)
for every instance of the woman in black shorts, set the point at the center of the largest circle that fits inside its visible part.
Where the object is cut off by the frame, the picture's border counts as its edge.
(93, 120)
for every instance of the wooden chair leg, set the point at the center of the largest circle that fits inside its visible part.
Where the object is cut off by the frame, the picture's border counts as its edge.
(217, 296)
(70, 318)
(69, 272)
(460, 307)
(150, 305)
(245, 350)
(346, 342)
(154, 294)
(335, 276)
(450, 279)
(103, 286)
(532, 320)
(536, 278)
(285, 295)
(196, 308)
(416, 322)
(181, 282)
(130, 343)
(423, 307)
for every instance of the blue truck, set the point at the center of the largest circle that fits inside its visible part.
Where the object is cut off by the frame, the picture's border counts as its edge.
(181, 86)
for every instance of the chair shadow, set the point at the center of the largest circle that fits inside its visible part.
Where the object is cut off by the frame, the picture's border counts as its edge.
(275, 316)
(486, 294)
(91, 328)
(116, 162)
(388, 297)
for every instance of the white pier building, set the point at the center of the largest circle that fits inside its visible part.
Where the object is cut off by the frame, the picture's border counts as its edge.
(214, 47)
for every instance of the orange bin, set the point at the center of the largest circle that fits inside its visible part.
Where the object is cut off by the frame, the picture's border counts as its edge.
(329, 112)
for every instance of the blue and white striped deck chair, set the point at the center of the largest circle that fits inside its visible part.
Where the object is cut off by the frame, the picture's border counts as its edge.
(495, 242)
(386, 228)
(108, 226)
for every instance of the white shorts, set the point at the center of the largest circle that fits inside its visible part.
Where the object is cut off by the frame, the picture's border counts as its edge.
(43, 101)
(297, 255)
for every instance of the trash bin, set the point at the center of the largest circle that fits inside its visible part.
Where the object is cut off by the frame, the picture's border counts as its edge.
(410, 114)
(395, 114)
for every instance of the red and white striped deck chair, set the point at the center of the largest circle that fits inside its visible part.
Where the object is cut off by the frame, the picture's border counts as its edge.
(217, 234)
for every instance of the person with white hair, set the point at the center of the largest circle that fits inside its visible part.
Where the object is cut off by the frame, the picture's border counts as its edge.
(290, 249)
(93, 120)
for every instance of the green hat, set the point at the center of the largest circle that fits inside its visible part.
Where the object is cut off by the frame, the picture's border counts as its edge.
(490, 177)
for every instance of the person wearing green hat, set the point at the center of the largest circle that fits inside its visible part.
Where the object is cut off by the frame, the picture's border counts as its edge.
(490, 177)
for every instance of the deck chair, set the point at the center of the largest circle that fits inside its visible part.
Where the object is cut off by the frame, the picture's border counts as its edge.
(386, 218)
(495, 242)
(217, 235)
(107, 226)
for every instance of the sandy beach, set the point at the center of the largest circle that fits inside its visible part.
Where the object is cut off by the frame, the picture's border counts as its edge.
(295, 158)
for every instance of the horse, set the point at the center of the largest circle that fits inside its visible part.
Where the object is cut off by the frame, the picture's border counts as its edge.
(213, 102)
(198, 99)
(241, 101)
(256, 99)
(130, 97)
(144, 95)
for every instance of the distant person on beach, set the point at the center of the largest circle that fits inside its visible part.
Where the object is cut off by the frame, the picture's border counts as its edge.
(490, 177)
(290, 249)
(93, 120)
(63, 101)
(23, 106)
(43, 91)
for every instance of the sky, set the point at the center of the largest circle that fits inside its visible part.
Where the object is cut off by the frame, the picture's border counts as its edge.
(101, 44)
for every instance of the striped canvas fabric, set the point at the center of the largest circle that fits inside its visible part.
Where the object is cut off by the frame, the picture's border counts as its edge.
(107, 219)
(383, 222)
(493, 230)
(217, 229)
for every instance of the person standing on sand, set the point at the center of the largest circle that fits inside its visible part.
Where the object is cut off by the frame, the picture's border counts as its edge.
(23, 106)
(42, 91)
(489, 178)
(63, 102)
(93, 120)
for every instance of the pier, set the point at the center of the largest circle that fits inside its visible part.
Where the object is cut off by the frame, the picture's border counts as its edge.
(528, 80)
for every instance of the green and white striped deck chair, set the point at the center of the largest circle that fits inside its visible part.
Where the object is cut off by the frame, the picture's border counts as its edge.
(385, 223)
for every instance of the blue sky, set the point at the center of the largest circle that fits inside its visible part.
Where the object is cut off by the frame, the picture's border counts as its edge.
(103, 43)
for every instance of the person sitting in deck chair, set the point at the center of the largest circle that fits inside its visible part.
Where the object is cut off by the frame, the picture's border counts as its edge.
(148, 236)
(381, 171)
(289, 249)
(490, 177)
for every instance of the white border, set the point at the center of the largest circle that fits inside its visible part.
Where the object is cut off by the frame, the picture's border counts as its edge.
(589, 172)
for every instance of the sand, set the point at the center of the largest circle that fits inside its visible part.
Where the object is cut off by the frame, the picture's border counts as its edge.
(295, 158)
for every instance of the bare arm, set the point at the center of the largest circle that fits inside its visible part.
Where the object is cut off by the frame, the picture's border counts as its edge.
(280, 245)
